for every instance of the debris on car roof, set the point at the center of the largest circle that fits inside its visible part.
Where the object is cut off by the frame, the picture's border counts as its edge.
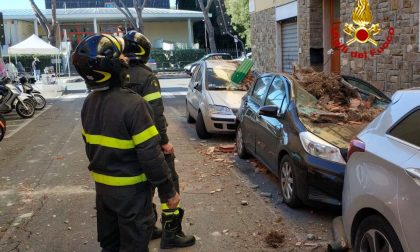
(337, 100)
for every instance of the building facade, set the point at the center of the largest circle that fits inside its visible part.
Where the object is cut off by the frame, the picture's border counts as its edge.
(162, 26)
(321, 34)
(62, 4)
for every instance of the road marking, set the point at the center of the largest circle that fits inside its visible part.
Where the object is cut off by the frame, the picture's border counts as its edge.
(27, 121)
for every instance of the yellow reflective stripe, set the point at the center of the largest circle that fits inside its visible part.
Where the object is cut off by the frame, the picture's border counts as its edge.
(108, 141)
(118, 181)
(167, 211)
(145, 135)
(114, 41)
(152, 96)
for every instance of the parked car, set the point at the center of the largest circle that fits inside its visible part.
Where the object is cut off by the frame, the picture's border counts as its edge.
(2, 127)
(212, 56)
(212, 101)
(381, 196)
(308, 158)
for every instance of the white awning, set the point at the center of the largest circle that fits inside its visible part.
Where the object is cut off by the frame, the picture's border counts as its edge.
(33, 46)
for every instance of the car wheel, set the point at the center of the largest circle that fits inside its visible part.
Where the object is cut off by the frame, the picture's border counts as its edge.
(375, 234)
(190, 119)
(200, 127)
(288, 182)
(240, 148)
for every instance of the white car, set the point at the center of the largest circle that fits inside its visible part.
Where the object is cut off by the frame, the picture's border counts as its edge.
(381, 197)
(212, 100)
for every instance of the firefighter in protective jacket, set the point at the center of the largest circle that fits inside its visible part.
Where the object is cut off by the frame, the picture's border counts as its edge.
(123, 147)
(144, 82)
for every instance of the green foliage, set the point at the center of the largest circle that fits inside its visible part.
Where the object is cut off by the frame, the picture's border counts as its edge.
(176, 59)
(238, 10)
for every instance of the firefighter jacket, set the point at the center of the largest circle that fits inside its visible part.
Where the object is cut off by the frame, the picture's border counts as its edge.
(144, 82)
(122, 142)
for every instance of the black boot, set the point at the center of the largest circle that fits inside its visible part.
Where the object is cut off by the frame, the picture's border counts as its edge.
(172, 236)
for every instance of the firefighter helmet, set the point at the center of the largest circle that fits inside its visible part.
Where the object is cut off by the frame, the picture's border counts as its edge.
(137, 46)
(97, 60)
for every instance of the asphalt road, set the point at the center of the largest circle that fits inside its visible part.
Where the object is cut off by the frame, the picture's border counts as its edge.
(47, 196)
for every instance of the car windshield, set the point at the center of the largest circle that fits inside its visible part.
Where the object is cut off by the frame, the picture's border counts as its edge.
(218, 77)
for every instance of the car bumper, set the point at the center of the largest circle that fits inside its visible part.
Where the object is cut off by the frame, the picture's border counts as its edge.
(324, 179)
(220, 123)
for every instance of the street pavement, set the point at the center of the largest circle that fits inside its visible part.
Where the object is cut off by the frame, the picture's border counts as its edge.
(47, 198)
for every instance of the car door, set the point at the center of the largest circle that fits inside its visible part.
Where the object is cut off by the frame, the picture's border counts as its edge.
(195, 91)
(269, 132)
(252, 104)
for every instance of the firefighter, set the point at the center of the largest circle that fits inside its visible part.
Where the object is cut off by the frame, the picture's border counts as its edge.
(123, 148)
(144, 82)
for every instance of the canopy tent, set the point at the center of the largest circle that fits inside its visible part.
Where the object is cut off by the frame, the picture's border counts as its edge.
(33, 46)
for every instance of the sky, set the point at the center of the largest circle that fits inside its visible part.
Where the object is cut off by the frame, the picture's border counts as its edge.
(24, 4)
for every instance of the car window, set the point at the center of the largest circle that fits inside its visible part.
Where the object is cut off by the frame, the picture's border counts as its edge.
(408, 130)
(277, 93)
(364, 86)
(260, 89)
(198, 77)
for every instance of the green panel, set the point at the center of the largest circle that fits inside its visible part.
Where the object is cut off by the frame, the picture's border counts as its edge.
(239, 75)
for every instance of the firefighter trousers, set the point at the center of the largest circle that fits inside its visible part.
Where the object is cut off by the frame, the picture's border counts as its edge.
(125, 217)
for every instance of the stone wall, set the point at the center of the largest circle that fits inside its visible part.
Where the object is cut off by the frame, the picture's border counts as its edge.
(309, 28)
(398, 66)
(263, 40)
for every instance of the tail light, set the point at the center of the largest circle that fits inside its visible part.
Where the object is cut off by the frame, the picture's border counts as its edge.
(355, 146)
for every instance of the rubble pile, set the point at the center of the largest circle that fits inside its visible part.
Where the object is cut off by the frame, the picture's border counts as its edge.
(246, 84)
(338, 101)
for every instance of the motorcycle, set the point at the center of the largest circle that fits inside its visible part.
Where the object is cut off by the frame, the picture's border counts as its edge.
(2, 127)
(13, 98)
(36, 95)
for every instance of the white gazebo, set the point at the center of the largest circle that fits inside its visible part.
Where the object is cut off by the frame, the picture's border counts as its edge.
(35, 46)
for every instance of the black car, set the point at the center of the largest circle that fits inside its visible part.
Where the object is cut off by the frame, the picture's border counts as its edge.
(212, 56)
(309, 159)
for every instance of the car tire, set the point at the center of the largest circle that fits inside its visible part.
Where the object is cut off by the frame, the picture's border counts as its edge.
(240, 148)
(377, 229)
(200, 127)
(190, 119)
(288, 184)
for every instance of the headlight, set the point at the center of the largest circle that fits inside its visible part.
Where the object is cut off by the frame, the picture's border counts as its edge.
(317, 147)
(220, 110)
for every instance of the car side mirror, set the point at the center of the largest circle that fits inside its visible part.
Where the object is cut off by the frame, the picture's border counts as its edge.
(270, 111)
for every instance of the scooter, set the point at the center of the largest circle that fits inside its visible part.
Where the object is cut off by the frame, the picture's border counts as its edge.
(2, 127)
(15, 99)
(36, 95)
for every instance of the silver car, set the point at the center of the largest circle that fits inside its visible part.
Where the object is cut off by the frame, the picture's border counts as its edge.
(381, 197)
(212, 100)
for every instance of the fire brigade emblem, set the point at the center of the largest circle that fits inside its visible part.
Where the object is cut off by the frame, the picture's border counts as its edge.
(362, 30)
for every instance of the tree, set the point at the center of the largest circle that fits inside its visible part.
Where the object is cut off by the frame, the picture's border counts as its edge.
(138, 7)
(50, 29)
(209, 25)
(238, 10)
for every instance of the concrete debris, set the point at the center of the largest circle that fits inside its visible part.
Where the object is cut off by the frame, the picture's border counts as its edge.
(210, 150)
(266, 194)
(274, 239)
(225, 231)
(216, 233)
(244, 203)
(69, 228)
(310, 244)
(218, 190)
(227, 148)
(311, 237)
(298, 244)
(254, 186)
